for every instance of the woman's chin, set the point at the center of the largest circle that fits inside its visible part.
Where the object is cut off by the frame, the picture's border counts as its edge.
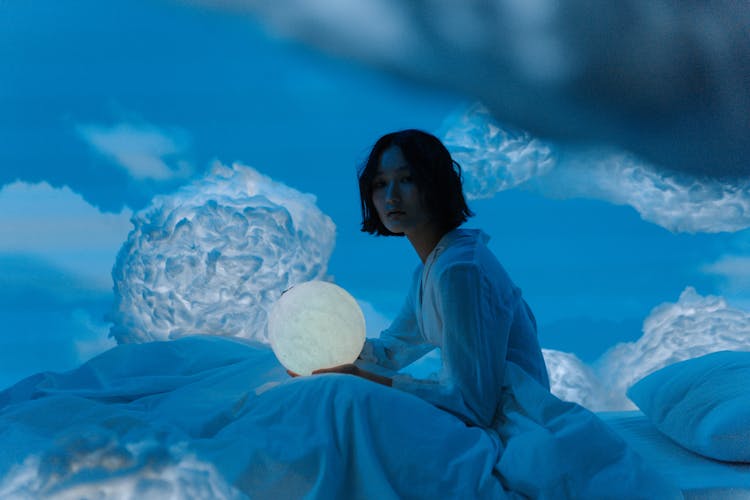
(395, 228)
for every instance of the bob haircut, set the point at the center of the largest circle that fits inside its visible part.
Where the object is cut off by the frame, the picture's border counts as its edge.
(436, 174)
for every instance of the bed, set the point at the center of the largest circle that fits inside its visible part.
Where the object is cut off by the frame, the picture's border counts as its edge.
(209, 417)
(697, 476)
(693, 424)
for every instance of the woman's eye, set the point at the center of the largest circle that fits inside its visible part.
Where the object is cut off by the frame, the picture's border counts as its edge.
(378, 184)
(407, 179)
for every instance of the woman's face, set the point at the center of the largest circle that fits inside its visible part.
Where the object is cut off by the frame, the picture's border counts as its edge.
(396, 196)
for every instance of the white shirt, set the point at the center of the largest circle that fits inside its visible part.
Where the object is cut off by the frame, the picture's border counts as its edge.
(462, 301)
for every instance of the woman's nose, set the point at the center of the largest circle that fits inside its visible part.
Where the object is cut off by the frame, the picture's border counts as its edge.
(392, 192)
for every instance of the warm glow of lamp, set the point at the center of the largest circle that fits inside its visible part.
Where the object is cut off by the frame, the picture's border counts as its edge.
(316, 325)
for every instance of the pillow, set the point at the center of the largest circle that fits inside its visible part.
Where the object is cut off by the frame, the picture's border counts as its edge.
(702, 403)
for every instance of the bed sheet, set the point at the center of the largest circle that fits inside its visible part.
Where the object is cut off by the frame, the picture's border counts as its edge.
(697, 476)
(208, 417)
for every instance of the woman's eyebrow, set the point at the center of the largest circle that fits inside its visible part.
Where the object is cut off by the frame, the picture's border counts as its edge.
(398, 170)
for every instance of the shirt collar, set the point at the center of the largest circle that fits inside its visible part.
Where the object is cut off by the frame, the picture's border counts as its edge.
(458, 233)
(454, 235)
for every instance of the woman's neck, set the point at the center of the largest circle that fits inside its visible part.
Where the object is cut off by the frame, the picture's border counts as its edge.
(425, 241)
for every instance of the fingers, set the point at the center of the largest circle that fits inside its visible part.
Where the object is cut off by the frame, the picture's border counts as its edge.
(347, 369)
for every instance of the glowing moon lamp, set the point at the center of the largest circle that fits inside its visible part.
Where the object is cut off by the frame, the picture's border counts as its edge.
(316, 325)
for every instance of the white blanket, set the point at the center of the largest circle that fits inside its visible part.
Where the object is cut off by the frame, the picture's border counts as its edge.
(208, 417)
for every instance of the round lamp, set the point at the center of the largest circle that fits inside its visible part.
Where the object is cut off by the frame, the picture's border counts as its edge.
(316, 325)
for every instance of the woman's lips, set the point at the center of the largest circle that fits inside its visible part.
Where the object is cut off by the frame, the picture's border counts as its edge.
(396, 213)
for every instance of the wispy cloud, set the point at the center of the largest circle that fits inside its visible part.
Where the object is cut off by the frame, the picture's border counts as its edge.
(60, 227)
(56, 257)
(495, 160)
(733, 269)
(145, 151)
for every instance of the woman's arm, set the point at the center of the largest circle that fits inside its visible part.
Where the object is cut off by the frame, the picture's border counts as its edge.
(476, 324)
(402, 342)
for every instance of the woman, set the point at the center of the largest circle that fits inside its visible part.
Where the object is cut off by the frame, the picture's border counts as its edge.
(493, 374)
(461, 299)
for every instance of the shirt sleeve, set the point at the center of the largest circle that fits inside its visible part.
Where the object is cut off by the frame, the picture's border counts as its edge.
(401, 343)
(476, 322)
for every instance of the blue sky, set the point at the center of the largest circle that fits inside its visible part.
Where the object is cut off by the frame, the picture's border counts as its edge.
(106, 104)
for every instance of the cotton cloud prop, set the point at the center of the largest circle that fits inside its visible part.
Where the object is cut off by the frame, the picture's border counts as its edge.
(316, 325)
(678, 202)
(213, 257)
(570, 379)
(145, 469)
(496, 158)
(693, 326)
(666, 80)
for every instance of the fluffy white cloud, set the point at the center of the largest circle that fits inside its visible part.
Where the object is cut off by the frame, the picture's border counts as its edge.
(60, 227)
(633, 73)
(496, 160)
(145, 151)
(693, 326)
(212, 257)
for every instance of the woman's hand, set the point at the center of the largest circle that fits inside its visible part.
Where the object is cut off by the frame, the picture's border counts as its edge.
(347, 369)
(350, 369)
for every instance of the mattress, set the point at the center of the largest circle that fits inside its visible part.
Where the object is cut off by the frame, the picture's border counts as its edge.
(699, 477)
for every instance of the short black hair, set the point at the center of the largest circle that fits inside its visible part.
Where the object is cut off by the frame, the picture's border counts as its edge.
(435, 173)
